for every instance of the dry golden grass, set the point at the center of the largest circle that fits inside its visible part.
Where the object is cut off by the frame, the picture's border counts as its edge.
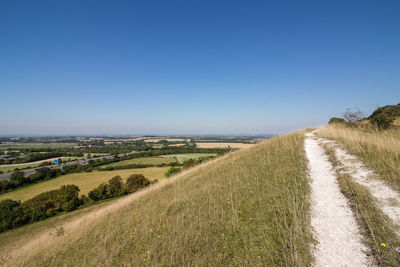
(176, 145)
(375, 226)
(379, 150)
(85, 181)
(223, 145)
(249, 208)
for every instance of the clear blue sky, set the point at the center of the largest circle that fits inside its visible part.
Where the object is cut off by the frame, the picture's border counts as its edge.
(193, 67)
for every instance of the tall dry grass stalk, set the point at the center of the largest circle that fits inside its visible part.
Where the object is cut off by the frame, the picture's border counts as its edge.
(379, 150)
(249, 209)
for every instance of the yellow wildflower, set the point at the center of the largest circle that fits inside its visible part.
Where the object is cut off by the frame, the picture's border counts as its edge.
(148, 252)
(144, 259)
(383, 245)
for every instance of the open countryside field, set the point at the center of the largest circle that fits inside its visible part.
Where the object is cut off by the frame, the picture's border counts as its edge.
(11, 167)
(85, 181)
(10, 146)
(184, 157)
(249, 208)
(144, 160)
(155, 140)
(223, 145)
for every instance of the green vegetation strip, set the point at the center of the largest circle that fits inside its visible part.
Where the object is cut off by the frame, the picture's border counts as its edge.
(143, 160)
(184, 157)
(250, 209)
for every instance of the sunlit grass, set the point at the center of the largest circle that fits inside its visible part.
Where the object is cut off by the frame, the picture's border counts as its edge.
(378, 231)
(379, 150)
(250, 208)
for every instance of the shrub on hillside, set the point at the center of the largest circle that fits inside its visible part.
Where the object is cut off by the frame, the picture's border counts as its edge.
(382, 121)
(135, 182)
(18, 176)
(11, 214)
(384, 117)
(172, 170)
(189, 163)
(336, 120)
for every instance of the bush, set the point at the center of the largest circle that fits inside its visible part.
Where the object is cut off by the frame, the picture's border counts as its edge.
(382, 121)
(11, 214)
(18, 176)
(189, 163)
(336, 120)
(135, 182)
(172, 170)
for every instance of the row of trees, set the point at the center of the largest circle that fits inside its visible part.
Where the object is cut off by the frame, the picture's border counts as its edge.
(186, 165)
(14, 213)
(115, 187)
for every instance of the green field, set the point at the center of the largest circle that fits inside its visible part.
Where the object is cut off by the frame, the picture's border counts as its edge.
(184, 157)
(144, 160)
(34, 145)
(85, 181)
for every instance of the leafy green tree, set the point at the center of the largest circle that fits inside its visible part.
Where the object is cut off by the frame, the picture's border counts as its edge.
(135, 182)
(98, 193)
(115, 187)
(11, 214)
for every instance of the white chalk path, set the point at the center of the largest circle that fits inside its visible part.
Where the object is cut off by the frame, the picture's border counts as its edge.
(388, 199)
(332, 220)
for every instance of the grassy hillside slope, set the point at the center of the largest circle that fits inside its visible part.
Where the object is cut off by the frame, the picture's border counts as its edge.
(379, 150)
(248, 209)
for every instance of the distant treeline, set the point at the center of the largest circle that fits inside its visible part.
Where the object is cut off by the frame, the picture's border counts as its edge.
(19, 180)
(188, 164)
(37, 156)
(137, 166)
(14, 213)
